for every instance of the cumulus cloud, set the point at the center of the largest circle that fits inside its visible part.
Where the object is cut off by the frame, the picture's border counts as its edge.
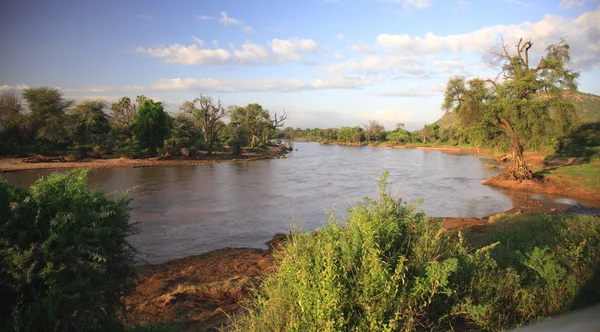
(446, 54)
(226, 20)
(290, 49)
(281, 50)
(188, 55)
(252, 52)
(582, 33)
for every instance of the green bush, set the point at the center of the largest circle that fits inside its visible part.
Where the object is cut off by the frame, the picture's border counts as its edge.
(66, 260)
(390, 268)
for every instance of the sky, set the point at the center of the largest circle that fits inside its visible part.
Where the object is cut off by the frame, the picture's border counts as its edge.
(327, 63)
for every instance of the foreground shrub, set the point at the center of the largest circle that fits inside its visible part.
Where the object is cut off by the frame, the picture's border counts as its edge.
(65, 256)
(389, 268)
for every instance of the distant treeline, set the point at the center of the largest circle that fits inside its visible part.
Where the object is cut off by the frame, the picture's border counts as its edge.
(42, 120)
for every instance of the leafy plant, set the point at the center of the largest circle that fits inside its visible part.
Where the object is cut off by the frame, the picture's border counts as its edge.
(65, 256)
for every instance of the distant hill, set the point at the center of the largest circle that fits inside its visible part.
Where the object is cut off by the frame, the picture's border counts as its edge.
(587, 106)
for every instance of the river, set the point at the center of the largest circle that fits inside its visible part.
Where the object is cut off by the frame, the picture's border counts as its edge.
(188, 210)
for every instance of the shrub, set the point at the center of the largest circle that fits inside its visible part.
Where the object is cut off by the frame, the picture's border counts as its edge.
(65, 256)
(389, 268)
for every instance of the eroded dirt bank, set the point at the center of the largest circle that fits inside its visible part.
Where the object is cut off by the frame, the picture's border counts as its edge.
(8, 164)
(198, 293)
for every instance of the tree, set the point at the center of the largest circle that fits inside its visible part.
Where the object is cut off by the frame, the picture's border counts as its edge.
(123, 113)
(184, 132)
(90, 123)
(426, 132)
(253, 118)
(66, 259)
(208, 116)
(276, 122)
(48, 108)
(373, 129)
(151, 126)
(13, 120)
(523, 104)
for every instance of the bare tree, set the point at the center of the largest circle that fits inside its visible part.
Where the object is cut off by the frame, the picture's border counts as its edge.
(123, 112)
(208, 116)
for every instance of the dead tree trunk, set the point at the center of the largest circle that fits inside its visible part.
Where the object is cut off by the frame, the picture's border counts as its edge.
(519, 171)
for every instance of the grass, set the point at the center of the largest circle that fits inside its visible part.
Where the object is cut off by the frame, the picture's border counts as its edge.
(389, 268)
(586, 175)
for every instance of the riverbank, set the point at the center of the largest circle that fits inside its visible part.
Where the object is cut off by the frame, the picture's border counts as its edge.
(200, 293)
(13, 164)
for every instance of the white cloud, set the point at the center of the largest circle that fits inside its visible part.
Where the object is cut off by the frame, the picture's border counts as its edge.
(252, 52)
(231, 86)
(340, 36)
(582, 33)
(338, 54)
(188, 55)
(289, 49)
(248, 28)
(204, 17)
(568, 4)
(281, 50)
(13, 87)
(407, 4)
(226, 20)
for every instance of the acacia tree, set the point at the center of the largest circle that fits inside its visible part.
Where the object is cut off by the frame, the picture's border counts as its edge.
(90, 123)
(208, 116)
(47, 117)
(525, 100)
(13, 120)
(123, 113)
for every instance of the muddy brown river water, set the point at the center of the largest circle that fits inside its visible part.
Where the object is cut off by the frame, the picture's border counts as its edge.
(188, 210)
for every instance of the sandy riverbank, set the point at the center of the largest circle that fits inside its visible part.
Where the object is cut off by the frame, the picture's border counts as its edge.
(13, 164)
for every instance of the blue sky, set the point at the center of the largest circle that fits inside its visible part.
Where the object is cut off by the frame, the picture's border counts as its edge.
(326, 63)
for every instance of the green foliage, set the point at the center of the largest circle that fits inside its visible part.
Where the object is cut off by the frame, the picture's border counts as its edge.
(90, 124)
(151, 125)
(184, 132)
(390, 268)
(65, 256)
(14, 129)
(47, 117)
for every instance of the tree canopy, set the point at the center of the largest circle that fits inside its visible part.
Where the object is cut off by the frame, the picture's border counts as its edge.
(151, 126)
(526, 102)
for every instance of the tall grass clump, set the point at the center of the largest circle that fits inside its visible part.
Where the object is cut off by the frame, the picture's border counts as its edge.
(65, 257)
(388, 267)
